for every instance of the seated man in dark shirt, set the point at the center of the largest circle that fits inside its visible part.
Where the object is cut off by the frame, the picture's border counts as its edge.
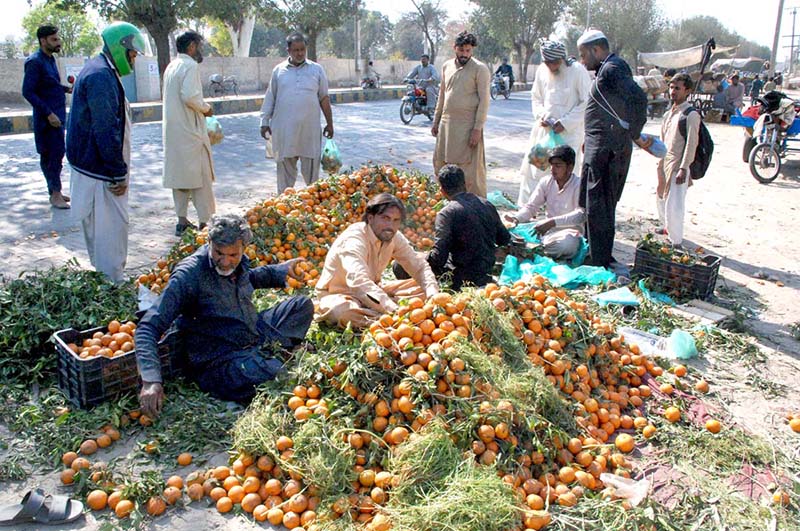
(229, 345)
(468, 231)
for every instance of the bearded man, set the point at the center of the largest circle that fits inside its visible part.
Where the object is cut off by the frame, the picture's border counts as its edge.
(461, 114)
(558, 102)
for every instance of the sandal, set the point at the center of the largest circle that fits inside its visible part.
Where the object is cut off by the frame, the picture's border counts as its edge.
(42, 508)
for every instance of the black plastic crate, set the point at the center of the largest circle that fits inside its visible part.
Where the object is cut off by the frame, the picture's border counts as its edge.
(696, 281)
(91, 381)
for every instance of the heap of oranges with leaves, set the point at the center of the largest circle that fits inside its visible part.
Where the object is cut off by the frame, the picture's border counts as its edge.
(305, 222)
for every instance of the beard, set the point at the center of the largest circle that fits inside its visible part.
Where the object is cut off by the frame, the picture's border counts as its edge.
(462, 60)
(198, 57)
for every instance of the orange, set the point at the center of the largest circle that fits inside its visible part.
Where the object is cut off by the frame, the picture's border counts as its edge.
(536, 519)
(124, 508)
(648, 431)
(260, 513)
(175, 481)
(185, 459)
(701, 386)
(156, 506)
(679, 371)
(713, 425)
(104, 441)
(68, 476)
(88, 447)
(113, 499)
(68, 458)
(79, 463)
(291, 520)
(283, 443)
(97, 500)
(224, 504)
(250, 502)
(195, 491)
(672, 414)
(625, 443)
(172, 495)
(236, 494)
(275, 516)
(794, 424)
(251, 484)
(217, 493)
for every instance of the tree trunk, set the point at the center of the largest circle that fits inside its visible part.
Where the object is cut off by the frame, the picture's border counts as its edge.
(528, 54)
(161, 37)
(241, 36)
(521, 59)
(312, 45)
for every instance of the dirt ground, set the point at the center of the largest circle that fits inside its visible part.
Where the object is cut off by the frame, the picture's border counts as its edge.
(754, 227)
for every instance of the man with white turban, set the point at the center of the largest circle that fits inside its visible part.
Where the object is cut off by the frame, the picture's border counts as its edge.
(558, 101)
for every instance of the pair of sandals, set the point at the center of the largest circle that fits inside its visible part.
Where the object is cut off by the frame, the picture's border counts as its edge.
(41, 508)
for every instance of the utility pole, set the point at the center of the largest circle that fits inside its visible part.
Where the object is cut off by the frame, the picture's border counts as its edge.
(774, 56)
(357, 37)
(589, 13)
(791, 52)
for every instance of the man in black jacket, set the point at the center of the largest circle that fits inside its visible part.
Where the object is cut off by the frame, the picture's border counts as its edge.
(468, 231)
(615, 116)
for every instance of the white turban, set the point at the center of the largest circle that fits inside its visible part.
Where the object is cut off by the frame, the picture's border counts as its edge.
(590, 35)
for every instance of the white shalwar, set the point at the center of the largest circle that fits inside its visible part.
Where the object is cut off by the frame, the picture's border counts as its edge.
(561, 97)
(103, 215)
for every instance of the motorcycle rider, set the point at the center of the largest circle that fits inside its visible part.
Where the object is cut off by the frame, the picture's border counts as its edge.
(505, 70)
(428, 79)
(371, 76)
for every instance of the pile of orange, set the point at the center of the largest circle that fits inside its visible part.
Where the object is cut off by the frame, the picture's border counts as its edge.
(117, 340)
(304, 223)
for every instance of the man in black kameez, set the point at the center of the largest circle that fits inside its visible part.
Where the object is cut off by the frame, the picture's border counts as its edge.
(615, 115)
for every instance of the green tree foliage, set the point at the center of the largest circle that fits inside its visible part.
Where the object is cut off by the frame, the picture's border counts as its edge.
(407, 40)
(520, 24)
(237, 16)
(490, 49)
(311, 17)
(9, 49)
(78, 34)
(268, 42)
(631, 25)
(376, 30)
(220, 38)
(429, 20)
(160, 17)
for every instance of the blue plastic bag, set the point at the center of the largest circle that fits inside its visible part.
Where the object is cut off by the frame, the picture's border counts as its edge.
(214, 128)
(654, 296)
(499, 200)
(682, 345)
(331, 158)
(556, 274)
(622, 296)
(539, 155)
(526, 231)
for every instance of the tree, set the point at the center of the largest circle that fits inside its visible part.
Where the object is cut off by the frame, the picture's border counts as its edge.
(520, 24)
(267, 41)
(8, 49)
(375, 31)
(238, 17)
(490, 49)
(429, 20)
(310, 17)
(630, 25)
(220, 39)
(159, 17)
(406, 40)
(697, 30)
(78, 33)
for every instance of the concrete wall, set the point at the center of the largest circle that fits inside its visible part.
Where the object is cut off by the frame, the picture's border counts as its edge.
(252, 74)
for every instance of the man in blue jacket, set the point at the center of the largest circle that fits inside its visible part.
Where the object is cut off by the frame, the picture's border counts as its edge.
(615, 115)
(42, 87)
(230, 348)
(99, 149)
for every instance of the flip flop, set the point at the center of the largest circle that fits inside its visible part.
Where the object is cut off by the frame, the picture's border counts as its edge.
(42, 508)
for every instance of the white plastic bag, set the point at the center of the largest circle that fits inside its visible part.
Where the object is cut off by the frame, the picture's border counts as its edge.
(269, 152)
(633, 491)
(146, 298)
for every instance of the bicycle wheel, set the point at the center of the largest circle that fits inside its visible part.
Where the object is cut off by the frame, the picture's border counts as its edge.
(406, 112)
(765, 162)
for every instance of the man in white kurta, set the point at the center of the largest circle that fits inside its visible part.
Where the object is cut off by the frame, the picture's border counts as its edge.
(681, 147)
(188, 165)
(562, 229)
(558, 102)
(297, 91)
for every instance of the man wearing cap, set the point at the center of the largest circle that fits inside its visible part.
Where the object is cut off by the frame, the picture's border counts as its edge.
(562, 230)
(505, 70)
(734, 95)
(615, 115)
(558, 102)
(461, 114)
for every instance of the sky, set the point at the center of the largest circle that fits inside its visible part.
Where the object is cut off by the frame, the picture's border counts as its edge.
(756, 24)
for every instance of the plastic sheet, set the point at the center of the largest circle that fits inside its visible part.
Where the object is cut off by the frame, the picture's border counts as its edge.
(654, 296)
(621, 296)
(557, 274)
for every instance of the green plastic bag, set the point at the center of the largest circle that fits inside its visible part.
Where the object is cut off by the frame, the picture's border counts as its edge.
(331, 158)
(682, 345)
(499, 200)
(539, 155)
(214, 128)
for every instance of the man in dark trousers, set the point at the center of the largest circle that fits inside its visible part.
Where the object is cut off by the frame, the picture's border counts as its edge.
(230, 346)
(42, 87)
(615, 115)
(468, 231)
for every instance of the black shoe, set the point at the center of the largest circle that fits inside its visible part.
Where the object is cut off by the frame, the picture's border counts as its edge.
(180, 228)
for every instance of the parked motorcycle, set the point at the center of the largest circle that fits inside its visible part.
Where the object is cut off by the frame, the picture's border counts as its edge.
(500, 85)
(414, 102)
(371, 83)
(220, 86)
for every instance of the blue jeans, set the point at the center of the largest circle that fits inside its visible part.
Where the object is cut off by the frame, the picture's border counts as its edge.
(235, 377)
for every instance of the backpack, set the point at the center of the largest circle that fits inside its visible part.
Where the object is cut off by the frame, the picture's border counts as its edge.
(705, 145)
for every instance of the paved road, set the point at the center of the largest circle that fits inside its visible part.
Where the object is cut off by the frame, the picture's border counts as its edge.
(37, 236)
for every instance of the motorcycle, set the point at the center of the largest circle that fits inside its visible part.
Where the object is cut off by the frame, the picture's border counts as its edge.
(500, 85)
(414, 102)
(220, 86)
(371, 83)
